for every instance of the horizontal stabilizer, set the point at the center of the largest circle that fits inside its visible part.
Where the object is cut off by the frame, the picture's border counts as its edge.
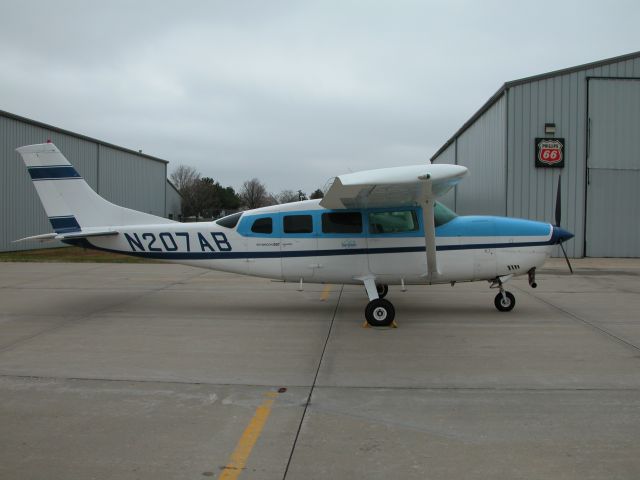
(45, 237)
(49, 237)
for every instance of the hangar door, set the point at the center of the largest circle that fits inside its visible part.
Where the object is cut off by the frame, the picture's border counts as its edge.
(613, 169)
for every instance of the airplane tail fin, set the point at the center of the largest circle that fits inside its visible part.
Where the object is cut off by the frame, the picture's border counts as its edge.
(69, 201)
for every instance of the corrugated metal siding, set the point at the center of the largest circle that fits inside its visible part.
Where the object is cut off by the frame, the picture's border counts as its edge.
(21, 212)
(481, 148)
(561, 100)
(174, 202)
(614, 116)
(613, 190)
(532, 191)
(126, 179)
(612, 226)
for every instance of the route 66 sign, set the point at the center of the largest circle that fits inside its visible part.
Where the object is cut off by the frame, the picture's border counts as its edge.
(550, 152)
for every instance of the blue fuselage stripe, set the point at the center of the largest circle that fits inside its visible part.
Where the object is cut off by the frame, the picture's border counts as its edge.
(306, 253)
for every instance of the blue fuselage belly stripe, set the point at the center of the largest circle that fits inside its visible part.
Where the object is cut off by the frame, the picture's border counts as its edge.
(309, 253)
(53, 172)
(480, 246)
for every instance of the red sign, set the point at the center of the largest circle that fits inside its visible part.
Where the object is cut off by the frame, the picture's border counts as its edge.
(550, 152)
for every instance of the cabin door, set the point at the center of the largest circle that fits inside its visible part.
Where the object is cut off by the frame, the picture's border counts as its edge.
(395, 242)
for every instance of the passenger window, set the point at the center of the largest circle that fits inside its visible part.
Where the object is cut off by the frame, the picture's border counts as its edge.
(393, 222)
(342, 222)
(262, 225)
(298, 224)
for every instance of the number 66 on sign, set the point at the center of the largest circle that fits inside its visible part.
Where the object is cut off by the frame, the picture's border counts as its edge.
(549, 152)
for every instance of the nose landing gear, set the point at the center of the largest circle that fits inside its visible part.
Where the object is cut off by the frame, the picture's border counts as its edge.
(504, 301)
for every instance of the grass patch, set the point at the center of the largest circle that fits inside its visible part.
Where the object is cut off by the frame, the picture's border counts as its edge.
(70, 254)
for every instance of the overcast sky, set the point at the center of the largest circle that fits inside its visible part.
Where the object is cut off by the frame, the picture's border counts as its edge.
(291, 92)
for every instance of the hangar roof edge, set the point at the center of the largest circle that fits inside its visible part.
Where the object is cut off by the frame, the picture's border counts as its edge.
(78, 135)
(174, 187)
(534, 78)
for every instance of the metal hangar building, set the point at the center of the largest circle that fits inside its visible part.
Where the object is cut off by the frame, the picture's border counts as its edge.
(122, 176)
(581, 123)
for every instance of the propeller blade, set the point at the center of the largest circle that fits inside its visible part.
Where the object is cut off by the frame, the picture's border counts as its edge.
(566, 257)
(558, 203)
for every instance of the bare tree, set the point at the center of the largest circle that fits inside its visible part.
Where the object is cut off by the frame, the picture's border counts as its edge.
(271, 200)
(184, 177)
(202, 197)
(187, 180)
(287, 196)
(254, 194)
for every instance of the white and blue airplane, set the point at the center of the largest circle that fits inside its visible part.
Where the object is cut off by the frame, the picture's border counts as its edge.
(374, 228)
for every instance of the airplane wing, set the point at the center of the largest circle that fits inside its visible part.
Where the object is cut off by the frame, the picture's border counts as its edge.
(392, 187)
(416, 185)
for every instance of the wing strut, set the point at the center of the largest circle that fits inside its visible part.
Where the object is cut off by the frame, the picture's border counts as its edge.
(428, 221)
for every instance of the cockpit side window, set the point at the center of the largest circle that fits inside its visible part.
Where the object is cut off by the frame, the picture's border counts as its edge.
(393, 222)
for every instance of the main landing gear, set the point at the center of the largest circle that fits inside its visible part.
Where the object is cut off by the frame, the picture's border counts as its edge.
(379, 312)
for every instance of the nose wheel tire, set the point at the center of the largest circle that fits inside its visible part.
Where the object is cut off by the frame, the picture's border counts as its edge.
(382, 290)
(379, 313)
(505, 303)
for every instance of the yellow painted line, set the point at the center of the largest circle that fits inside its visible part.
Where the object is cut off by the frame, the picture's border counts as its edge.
(239, 457)
(325, 293)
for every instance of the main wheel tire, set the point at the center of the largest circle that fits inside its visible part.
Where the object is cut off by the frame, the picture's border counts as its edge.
(382, 290)
(505, 304)
(379, 313)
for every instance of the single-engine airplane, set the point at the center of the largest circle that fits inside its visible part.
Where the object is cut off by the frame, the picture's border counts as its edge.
(375, 228)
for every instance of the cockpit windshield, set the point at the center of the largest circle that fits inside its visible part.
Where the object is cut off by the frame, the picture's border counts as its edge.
(230, 221)
(442, 214)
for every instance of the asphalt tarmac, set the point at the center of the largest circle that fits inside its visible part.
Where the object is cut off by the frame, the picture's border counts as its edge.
(135, 371)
